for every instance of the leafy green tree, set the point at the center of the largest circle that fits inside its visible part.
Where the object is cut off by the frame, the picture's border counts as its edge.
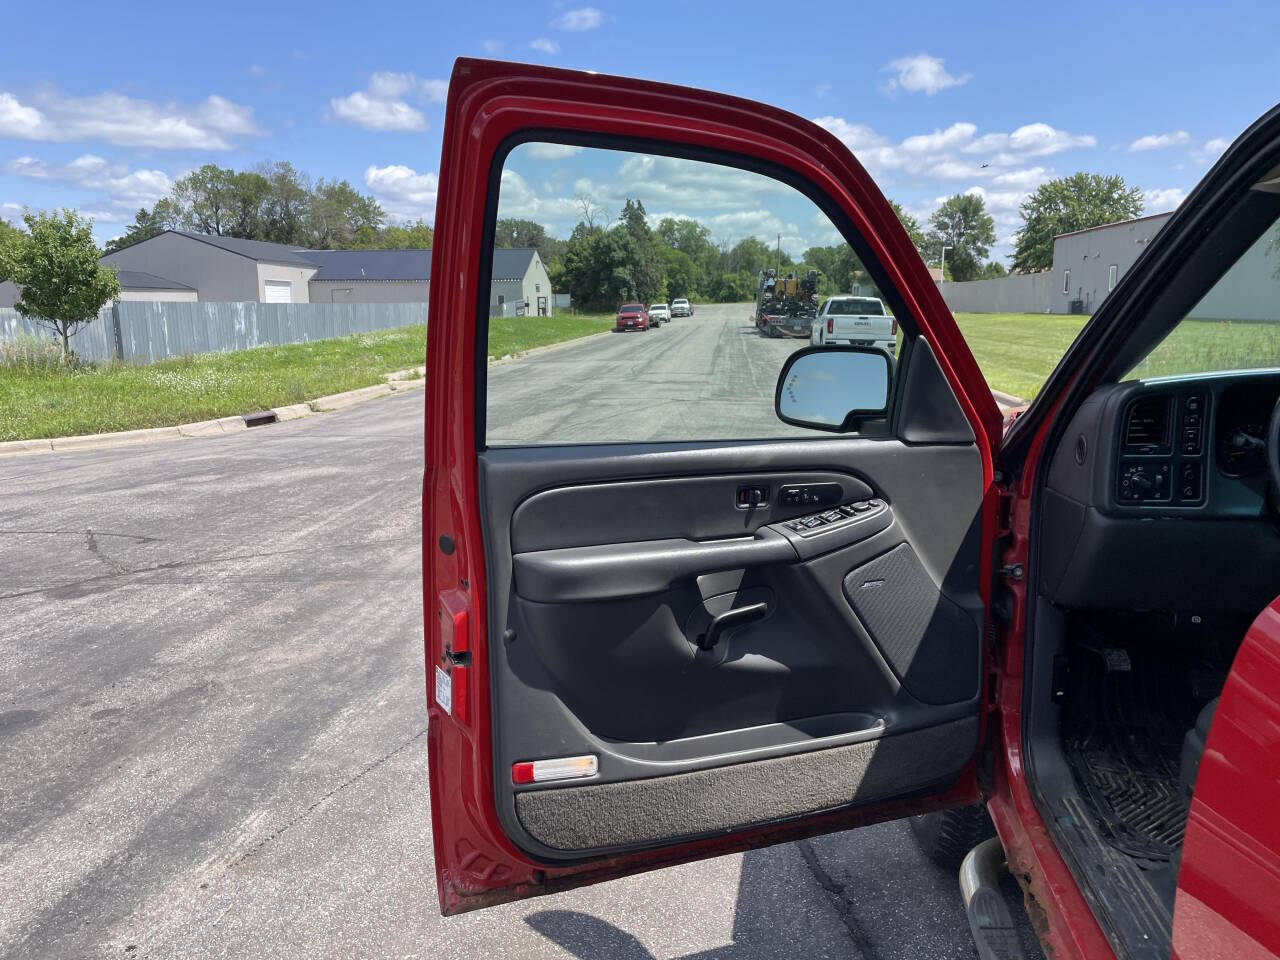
(287, 205)
(1077, 202)
(912, 226)
(649, 269)
(511, 232)
(994, 268)
(753, 255)
(682, 273)
(7, 230)
(417, 235)
(207, 199)
(735, 287)
(338, 214)
(963, 224)
(55, 265)
(146, 224)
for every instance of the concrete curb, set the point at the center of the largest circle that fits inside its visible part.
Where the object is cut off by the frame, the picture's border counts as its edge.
(340, 401)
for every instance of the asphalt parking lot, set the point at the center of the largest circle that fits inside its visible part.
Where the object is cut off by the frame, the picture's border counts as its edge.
(212, 714)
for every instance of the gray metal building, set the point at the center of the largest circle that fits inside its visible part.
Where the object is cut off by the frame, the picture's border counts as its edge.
(370, 276)
(1087, 264)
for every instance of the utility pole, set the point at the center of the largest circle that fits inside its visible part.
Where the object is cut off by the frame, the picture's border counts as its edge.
(942, 277)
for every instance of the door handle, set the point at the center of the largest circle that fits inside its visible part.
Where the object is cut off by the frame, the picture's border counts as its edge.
(729, 619)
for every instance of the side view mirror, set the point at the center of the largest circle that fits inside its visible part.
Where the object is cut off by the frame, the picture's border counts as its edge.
(833, 388)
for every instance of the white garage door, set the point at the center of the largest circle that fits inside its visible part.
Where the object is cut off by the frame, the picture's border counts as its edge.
(278, 291)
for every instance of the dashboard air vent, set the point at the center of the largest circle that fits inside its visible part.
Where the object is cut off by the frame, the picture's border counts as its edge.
(1147, 426)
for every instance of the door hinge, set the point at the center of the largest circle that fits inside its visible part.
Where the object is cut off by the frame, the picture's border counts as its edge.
(1011, 572)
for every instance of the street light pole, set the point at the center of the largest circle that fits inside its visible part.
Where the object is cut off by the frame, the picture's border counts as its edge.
(942, 277)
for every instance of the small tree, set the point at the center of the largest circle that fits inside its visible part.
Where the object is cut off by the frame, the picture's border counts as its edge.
(55, 264)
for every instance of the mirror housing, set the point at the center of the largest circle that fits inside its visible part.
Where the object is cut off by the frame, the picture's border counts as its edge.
(833, 388)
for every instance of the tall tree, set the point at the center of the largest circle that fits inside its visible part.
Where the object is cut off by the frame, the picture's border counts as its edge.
(7, 230)
(963, 224)
(649, 268)
(416, 235)
(338, 214)
(510, 232)
(1077, 202)
(287, 203)
(206, 199)
(146, 224)
(55, 265)
(912, 226)
(994, 268)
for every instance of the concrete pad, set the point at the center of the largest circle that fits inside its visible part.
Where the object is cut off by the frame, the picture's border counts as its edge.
(339, 401)
(11, 448)
(202, 428)
(294, 411)
(232, 424)
(117, 439)
(400, 386)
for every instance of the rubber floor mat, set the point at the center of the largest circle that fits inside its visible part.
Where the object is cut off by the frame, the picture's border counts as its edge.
(1123, 725)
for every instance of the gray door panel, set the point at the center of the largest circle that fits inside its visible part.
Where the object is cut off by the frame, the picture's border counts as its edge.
(607, 566)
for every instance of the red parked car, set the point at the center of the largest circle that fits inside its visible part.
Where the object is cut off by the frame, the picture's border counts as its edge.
(632, 316)
(644, 654)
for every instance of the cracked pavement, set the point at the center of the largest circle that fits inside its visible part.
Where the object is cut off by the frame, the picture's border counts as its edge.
(211, 733)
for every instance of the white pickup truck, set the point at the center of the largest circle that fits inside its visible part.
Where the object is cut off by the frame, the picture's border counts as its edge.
(854, 321)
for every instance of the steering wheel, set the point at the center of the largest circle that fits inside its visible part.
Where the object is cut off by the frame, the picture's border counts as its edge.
(1273, 450)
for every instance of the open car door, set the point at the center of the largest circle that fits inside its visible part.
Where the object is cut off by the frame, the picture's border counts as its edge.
(665, 625)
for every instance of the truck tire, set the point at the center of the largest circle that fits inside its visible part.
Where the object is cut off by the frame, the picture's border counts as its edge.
(947, 835)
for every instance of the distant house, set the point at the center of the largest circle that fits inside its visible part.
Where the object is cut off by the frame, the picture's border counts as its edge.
(520, 285)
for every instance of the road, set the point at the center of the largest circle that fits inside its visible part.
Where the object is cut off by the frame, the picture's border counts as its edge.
(707, 377)
(212, 726)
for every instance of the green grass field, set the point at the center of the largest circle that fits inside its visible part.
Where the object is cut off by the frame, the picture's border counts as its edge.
(45, 402)
(510, 335)
(1016, 351)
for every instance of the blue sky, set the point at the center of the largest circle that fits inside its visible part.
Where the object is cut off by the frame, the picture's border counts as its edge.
(102, 107)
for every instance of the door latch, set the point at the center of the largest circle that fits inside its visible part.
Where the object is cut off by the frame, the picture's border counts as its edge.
(727, 620)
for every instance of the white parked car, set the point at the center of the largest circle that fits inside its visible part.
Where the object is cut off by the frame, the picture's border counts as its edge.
(659, 313)
(680, 307)
(855, 321)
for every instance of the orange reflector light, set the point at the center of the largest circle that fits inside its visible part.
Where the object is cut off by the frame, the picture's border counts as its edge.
(563, 768)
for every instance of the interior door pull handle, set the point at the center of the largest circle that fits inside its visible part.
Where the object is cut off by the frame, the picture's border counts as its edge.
(730, 618)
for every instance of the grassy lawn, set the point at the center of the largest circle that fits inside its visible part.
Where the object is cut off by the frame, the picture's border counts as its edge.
(1016, 351)
(55, 402)
(508, 335)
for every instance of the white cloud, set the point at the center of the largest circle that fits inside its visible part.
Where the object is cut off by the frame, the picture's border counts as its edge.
(821, 90)
(1030, 177)
(583, 18)
(257, 70)
(1162, 201)
(128, 188)
(403, 192)
(544, 45)
(921, 74)
(383, 103)
(1210, 150)
(213, 124)
(1159, 141)
(551, 151)
(491, 46)
(958, 152)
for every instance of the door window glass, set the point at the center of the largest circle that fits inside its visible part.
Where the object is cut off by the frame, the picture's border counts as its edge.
(1235, 326)
(617, 230)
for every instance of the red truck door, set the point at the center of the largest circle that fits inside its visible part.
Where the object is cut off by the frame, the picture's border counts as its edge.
(634, 657)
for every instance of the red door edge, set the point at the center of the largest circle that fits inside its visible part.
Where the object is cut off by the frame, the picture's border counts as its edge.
(488, 102)
(1059, 913)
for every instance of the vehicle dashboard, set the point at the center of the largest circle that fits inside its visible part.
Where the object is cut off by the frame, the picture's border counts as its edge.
(1156, 498)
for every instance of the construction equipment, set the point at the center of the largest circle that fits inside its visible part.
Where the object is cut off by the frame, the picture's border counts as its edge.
(786, 306)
